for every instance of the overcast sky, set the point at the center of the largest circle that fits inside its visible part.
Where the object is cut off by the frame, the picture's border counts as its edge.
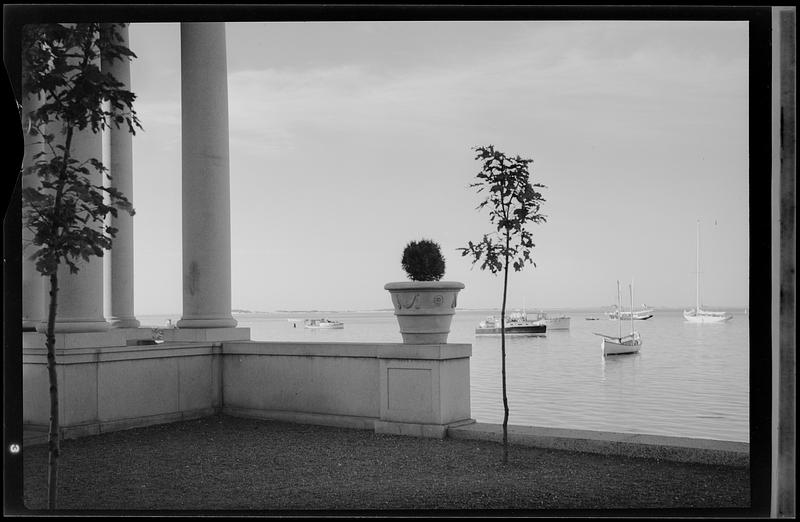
(349, 139)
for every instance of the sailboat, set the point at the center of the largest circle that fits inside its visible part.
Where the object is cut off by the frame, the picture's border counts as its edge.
(698, 315)
(620, 344)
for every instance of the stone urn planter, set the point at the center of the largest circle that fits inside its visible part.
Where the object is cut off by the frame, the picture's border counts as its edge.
(424, 306)
(424, 309)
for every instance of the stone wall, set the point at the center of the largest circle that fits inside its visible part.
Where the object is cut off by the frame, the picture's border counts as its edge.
(388, 387)
(118, 387)
(106, 384)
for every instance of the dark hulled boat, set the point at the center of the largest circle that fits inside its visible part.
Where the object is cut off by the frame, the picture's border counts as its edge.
(516, 324)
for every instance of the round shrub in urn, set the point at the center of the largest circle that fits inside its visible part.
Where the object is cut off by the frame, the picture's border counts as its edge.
(424, 306)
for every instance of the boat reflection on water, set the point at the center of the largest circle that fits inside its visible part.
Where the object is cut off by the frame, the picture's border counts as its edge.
(620, 370)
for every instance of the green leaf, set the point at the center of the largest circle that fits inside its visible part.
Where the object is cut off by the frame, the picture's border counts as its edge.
(58, 64)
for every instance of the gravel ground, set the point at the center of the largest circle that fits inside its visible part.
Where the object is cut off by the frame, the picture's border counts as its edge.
(228, 463)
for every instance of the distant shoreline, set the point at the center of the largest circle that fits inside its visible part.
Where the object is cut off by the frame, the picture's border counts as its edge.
(581, 310)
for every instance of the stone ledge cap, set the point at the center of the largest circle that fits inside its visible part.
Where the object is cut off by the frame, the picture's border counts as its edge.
(75, 340)
(425, 351)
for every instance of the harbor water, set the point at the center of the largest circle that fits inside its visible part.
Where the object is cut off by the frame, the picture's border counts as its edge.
(688, 380)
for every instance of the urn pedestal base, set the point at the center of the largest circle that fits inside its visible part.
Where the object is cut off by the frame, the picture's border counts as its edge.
(424, 389)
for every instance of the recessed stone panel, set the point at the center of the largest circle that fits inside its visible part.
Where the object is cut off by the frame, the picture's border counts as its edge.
(409, 389)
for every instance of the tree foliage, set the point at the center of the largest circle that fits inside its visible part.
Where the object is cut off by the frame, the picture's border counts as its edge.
(66, 209)
(423, 260)
(513, 202)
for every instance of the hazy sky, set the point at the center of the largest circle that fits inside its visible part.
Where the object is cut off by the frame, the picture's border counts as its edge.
(349, 139)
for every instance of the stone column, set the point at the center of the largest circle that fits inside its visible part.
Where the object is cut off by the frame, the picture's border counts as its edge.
(32, 281)
(118, 158)
(206, 178)
(80, 296)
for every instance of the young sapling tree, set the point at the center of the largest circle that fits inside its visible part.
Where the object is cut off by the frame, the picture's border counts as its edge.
(513, 202)
(66, 209)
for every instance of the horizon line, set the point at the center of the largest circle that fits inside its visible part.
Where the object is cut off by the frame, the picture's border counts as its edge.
(577, 309)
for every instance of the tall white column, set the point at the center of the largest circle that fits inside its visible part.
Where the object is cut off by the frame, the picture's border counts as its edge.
(32, 281)
(80, 296)
(206, 177)
(118, 158)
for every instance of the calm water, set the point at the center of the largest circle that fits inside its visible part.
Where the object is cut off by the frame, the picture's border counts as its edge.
(688, 380)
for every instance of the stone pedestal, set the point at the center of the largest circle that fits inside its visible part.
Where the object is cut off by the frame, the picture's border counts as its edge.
(424, 389)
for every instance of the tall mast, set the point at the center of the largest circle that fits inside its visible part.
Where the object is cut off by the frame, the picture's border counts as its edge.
(619, 311)
(697, 273)
(631, 288)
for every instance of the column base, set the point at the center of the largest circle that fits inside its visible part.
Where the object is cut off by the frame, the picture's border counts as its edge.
(29, 326)
(124, 322)
(75, 326)
(214, 335)
(210, 322)
(140, 336)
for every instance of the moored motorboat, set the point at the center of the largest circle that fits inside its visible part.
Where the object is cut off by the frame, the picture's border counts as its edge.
(639, 315)
(554, 322)
(323, 324)
(516, 324)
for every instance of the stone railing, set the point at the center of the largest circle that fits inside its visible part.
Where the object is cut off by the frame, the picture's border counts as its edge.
(107, 384)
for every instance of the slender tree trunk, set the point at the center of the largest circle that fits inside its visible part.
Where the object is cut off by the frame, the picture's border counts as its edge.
(54, 443)
(503, 352)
